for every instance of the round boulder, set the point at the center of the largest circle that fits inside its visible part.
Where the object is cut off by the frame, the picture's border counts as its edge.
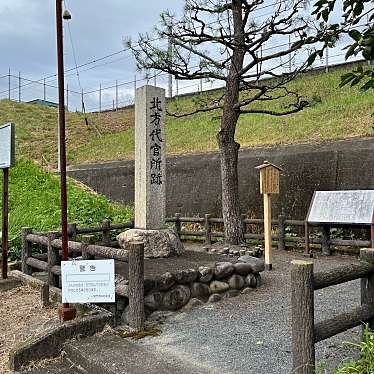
(186, 276)
(243, 268)
(218, 286)
(200, 290)
(236, 282)
(250, 280)
(176, 298)
(214, 298)
(257, 265)
(223, 270)
(153, 300)
(205, 274)
(166, 281)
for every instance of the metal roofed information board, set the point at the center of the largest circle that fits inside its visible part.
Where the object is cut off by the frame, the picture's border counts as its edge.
(7, 145)
(342, 207)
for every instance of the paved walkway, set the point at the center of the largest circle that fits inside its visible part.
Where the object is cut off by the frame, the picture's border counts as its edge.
(251, 333)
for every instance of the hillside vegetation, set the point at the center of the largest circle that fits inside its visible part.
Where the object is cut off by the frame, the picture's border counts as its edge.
(334, 113)
(34, 201)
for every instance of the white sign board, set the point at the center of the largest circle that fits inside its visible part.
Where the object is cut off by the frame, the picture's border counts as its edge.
(7, 145)
(88, 281)
(342, 207)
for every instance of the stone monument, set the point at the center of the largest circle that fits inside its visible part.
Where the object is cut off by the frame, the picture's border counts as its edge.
(150, 177)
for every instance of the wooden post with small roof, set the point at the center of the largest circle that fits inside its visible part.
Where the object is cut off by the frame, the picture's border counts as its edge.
(269, 184)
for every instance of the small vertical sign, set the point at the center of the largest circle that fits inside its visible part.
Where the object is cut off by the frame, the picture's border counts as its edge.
(7, 160)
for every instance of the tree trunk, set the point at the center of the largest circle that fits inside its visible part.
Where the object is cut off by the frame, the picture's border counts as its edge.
(230, 192)
(229, 149)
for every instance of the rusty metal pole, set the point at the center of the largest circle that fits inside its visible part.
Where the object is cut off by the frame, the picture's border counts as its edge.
(372, 231)
(66, 312)
(5, 242)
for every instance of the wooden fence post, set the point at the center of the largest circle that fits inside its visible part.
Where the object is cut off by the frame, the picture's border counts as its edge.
(44, 295)
(326, 240)
(106, 232)
(86, 241)
(244, 225)
(367, 284)
(53, 260)
(281, 232)
(72, 231)
(136, 286)
(208, 229)
(177, 224)
(26, 250)
(302, 304)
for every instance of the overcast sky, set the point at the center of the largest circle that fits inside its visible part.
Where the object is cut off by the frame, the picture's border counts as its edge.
(28, 45)
(28, 40)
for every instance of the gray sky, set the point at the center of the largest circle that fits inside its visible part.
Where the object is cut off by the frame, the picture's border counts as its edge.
(27, 41)
(28, 45)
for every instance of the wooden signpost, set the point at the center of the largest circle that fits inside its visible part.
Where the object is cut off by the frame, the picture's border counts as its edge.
(7, 160)
(269, 184)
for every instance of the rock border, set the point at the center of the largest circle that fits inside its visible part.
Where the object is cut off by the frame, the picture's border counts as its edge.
(191, 287)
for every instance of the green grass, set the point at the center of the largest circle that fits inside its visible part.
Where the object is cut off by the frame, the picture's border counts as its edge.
(34, 201)
(365, 364)
(335, 113)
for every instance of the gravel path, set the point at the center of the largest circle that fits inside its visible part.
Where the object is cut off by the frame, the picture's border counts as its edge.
(251, 333)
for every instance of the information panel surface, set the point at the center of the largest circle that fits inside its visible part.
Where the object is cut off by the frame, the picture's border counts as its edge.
(88, 281)
(342, 207)
(7, 145)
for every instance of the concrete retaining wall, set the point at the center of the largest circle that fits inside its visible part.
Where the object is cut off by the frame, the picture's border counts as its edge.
(194, 184)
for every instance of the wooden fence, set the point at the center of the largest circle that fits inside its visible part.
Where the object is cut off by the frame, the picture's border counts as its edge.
(305, 333)
(50, 261)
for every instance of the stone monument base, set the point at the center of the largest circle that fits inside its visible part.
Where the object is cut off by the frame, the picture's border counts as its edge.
(157, 243)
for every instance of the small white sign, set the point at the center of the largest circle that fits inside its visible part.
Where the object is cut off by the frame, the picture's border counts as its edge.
(7, 145)
(88, 281)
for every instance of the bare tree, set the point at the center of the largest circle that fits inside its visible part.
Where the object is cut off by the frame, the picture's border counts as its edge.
(231, 42)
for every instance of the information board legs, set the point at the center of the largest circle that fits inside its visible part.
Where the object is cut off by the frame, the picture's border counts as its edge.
(5, 242)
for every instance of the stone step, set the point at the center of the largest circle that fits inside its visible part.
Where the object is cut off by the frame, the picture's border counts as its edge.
(110, 354)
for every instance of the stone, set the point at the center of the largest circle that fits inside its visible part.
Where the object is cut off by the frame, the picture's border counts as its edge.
(176, 298)
(193, 303)
(200, 290)
(235, 253)
(257, 264)
(214, 298)
(242, 268)
(166, 281)
(205, 274)
(242, 252)
(150, 177)
(186, 276)
(121, 302)
(223, 270)
(218, 286)
(157, 243)
(258, 280)
(250, 280)
(246, 290)
(153, 300)
(236, 282)
(231, 293)
(150, 284)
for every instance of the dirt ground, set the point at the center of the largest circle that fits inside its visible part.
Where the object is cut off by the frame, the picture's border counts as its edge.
(21, 316)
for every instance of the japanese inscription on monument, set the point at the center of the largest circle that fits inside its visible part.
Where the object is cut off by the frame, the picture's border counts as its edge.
(150, 176)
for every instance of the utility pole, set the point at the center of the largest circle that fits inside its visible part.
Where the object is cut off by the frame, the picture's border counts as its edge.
(170, 54)
(327, 60)
(67, 97)
(19, 87)
(9, 85)
(66, 312)
(82, 97)
(100, 98)
(44, 95)
(116, 95)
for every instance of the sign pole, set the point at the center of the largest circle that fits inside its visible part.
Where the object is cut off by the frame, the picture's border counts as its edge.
(267, 232)
(5, 224)
(66, 312)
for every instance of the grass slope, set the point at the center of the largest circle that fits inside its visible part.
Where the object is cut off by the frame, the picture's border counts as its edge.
(34, 201)
(335, 113)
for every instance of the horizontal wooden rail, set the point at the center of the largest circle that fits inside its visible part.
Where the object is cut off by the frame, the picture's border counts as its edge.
(192, 233)
(333, 326)
(341, 275)
(37, 264)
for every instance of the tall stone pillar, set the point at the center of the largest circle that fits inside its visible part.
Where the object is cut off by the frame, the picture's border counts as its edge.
(150, 165)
